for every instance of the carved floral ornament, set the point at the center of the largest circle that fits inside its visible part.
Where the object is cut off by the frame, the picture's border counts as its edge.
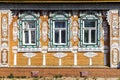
(75, 30)
(115, 55)
(44, 31)
(115, 45)
(4, 26)
(4, 46)
(15, 31)
(4, 56)
(115, 33)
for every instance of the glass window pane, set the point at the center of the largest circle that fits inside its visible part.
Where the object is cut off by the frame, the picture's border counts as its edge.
(89, 23)
(26, 36)
(86, 36)
(25, 25)
(92, 36)
(33, 36)
(31, 23)
(59, 24)
(56, 36)
(63, 36)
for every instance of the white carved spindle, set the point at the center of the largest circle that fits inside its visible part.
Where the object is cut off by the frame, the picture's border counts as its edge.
(14, 50)
(74, 51)
(44, 51)
(29, 56)
(60, 56)
(90, 55)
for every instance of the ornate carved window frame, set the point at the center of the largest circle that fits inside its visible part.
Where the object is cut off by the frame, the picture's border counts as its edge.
(90, 16)
(59, 16)
(24, 17)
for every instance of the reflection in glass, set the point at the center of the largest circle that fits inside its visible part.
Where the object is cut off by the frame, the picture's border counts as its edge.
(93, 36)
(86, 36)
(59, 24)
(31, 23)
(33, 37)
(56, 36)
(26, 37)
(63, 36)
(89, 23)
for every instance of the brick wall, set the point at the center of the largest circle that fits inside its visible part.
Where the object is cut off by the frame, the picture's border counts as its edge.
(98, 72)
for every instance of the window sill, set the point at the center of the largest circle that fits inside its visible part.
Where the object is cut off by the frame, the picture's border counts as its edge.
(90, 49)
(29, 49)
(59, 49)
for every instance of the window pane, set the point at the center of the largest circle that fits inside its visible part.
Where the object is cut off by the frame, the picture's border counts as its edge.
(33, 36)
(25, 25)
(89, 23)
(31, 23)
(59, 24)
(56, 36)
(63, 36)
(26, 37)
(86, 36)
(93, 36)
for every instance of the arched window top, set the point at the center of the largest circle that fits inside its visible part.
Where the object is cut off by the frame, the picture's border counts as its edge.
(90, 15)
(59, 15)
(27, 16)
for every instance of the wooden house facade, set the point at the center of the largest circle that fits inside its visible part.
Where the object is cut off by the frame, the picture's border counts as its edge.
(60, 34)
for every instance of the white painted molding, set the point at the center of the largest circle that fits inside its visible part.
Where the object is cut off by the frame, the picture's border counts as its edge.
(60, 55)
(44, 59)
(15, 59)
(75, 59)
(44, 49)
(29, 55)
(4, 57)
(74, 49)
(4, 46)
(114, 45)
(90, 55)
(29, 49)
(14, 49)
(59, 49)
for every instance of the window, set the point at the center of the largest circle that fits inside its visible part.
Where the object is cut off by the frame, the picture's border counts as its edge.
(59, 30)
(89, 30)
(29, 31)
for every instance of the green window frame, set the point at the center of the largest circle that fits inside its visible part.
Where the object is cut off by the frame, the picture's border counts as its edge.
(59, 30)
(28, 30)
(89, 30)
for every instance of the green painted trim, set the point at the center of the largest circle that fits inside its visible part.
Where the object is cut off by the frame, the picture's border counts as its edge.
(95, 17)
(53, 18)
(37, 21)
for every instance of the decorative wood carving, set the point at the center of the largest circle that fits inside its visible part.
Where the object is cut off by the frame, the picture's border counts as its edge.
(60, 55)
(15, 31)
